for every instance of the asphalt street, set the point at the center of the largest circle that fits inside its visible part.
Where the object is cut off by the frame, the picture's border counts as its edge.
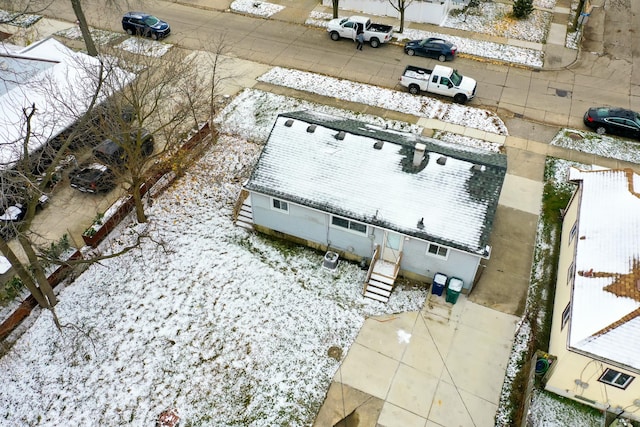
(602, 74)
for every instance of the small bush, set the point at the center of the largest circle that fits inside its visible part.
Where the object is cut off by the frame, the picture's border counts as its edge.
(10, 290)
(522, 8)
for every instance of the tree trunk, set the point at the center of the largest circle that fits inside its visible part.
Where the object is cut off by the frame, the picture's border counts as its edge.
(141, 216)
(401, 20)
(335, 9)
(24, 276)
(84, 28)
(38, 271)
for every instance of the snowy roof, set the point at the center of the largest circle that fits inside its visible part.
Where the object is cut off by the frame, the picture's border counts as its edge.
(457, 200)
(605, 317)
(56, 80)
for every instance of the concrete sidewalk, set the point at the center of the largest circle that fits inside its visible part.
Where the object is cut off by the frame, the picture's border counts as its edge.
(444, 365)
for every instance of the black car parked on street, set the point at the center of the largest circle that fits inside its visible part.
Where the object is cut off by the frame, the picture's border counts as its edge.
(616, 121)
(432, 47)
(143, 24)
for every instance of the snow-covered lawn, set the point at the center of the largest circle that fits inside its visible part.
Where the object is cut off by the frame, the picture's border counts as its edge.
(421, 106)
(230, 328)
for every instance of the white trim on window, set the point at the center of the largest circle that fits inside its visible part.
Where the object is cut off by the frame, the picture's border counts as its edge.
(573, 232)
(347, 224)
(437, 251)
(571, 273)
(566, 315)
(615, 378)
(279, 205)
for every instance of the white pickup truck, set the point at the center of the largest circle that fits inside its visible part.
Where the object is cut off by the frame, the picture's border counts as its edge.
(441, 80)
(375, 34)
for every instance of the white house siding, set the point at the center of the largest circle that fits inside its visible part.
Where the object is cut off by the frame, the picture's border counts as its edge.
(314, 226)
(428, 11)
(558, 338)
(309, 224)
(573, 366)
(457, 264)
(571, 369)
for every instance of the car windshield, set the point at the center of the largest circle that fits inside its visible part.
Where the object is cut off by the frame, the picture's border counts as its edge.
(455, 78)
(151, 20)
(636, 118)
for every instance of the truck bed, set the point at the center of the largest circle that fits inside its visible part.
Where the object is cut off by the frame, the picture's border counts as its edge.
(417, 72)
(380, 28)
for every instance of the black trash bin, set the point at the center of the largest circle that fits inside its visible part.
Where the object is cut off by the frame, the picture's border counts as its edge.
(439, 282)
(454, 289)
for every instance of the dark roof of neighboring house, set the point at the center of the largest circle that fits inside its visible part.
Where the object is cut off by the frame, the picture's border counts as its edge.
(348, 177)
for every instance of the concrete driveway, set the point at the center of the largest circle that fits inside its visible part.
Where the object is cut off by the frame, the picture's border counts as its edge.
(444, 365)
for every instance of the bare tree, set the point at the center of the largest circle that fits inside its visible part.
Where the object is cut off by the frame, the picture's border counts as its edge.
(169, 97)
(34, 142)
(400, 6)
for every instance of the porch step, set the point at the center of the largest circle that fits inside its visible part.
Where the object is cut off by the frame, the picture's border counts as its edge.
(383, 279)
(378, 291)
(376, 297)
(245, 216)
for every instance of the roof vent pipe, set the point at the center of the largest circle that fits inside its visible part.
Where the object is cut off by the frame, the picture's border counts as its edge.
(311, 128)
(442, 160)
(288, 123)
(378, 145)
(340, 135)
(418, 154)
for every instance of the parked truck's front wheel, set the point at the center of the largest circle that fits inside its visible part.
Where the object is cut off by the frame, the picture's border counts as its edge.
(414, 89)
(374, 42)
(460, 98)
(335, 36)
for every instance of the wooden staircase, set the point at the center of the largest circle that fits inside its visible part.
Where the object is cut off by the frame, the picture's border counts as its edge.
(243, 213)
(381, 278)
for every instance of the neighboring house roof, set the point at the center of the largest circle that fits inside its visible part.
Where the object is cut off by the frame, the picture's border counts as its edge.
(605, 316)
(351, 178)
(58, 81)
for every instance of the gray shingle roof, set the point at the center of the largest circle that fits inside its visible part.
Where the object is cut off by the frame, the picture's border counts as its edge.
(351, 178)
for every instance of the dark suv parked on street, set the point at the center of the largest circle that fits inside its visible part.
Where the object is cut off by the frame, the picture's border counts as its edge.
(143, 24)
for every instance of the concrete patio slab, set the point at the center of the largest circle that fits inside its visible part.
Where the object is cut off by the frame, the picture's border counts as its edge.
(394, 416)
(367, 370)
(412, 390)
(430, 370)
(386, 330)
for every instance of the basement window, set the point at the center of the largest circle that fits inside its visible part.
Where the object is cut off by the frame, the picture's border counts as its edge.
(615, 378)
(437, 250)
(279, 205)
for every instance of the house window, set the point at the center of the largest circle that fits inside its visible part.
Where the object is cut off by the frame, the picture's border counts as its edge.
(437, 250)
(566, 313)
(571, 273)
(280, 205)
(615, 378)
(573, 232)
(349, 225)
